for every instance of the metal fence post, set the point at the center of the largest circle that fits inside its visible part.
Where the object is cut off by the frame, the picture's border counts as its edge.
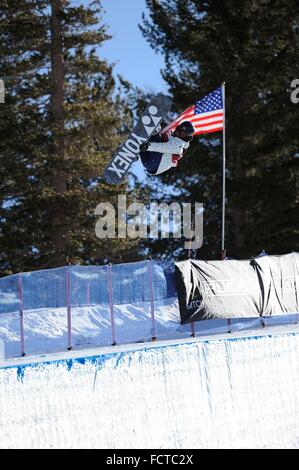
(21, 314)
(110, 294)
(69, 308)
(152, 298)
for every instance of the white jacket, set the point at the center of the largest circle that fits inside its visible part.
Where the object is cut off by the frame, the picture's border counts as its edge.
(174, 147)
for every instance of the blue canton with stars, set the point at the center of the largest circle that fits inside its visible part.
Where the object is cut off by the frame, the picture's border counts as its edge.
(211, 102)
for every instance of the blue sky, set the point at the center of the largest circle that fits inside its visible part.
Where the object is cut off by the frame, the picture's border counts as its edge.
(135, 59)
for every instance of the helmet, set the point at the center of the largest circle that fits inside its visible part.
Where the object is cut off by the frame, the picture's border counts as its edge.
(187, 127)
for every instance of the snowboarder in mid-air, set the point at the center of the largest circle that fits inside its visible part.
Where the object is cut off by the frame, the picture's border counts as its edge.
(163, 151)
(157, 151)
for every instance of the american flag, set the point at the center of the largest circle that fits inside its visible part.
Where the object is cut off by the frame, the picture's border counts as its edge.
(206, 114)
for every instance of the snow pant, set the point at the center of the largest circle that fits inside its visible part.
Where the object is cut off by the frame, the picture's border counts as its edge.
(151, 161)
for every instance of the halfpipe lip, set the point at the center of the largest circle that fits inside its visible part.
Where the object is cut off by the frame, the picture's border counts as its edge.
(95, 353)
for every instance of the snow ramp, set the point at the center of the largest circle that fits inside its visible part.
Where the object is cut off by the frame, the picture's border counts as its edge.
(214, 392)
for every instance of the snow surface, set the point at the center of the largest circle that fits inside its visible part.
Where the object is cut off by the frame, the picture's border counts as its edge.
(46, 329)
(237, 392)
(217, 390)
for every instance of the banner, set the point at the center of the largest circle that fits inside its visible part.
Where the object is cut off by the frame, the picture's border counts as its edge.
(263, 286)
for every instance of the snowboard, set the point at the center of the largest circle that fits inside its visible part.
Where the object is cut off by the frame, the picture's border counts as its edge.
(127, 153)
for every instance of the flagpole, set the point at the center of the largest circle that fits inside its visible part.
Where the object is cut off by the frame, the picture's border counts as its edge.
(223, 176)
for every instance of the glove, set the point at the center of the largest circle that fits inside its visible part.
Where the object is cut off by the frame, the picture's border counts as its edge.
(144, 147)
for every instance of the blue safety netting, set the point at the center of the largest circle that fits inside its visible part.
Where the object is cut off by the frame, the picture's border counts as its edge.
(44, 289)
(9, 294)
(87, 285)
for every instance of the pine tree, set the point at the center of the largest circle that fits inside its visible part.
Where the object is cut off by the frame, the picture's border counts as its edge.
(61, 121)
(253, 47)
(23, 138)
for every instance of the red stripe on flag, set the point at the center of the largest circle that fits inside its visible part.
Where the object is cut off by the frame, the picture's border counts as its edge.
(208, 132)
(198, 117)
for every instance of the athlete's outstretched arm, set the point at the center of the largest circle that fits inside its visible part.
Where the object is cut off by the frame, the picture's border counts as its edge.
(172, 146)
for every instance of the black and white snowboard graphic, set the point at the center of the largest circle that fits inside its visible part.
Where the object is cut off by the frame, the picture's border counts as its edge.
(126, 153)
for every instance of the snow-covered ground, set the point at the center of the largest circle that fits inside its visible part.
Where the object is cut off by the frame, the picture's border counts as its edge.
(214, 390)
(226, 391)
(46, 329)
